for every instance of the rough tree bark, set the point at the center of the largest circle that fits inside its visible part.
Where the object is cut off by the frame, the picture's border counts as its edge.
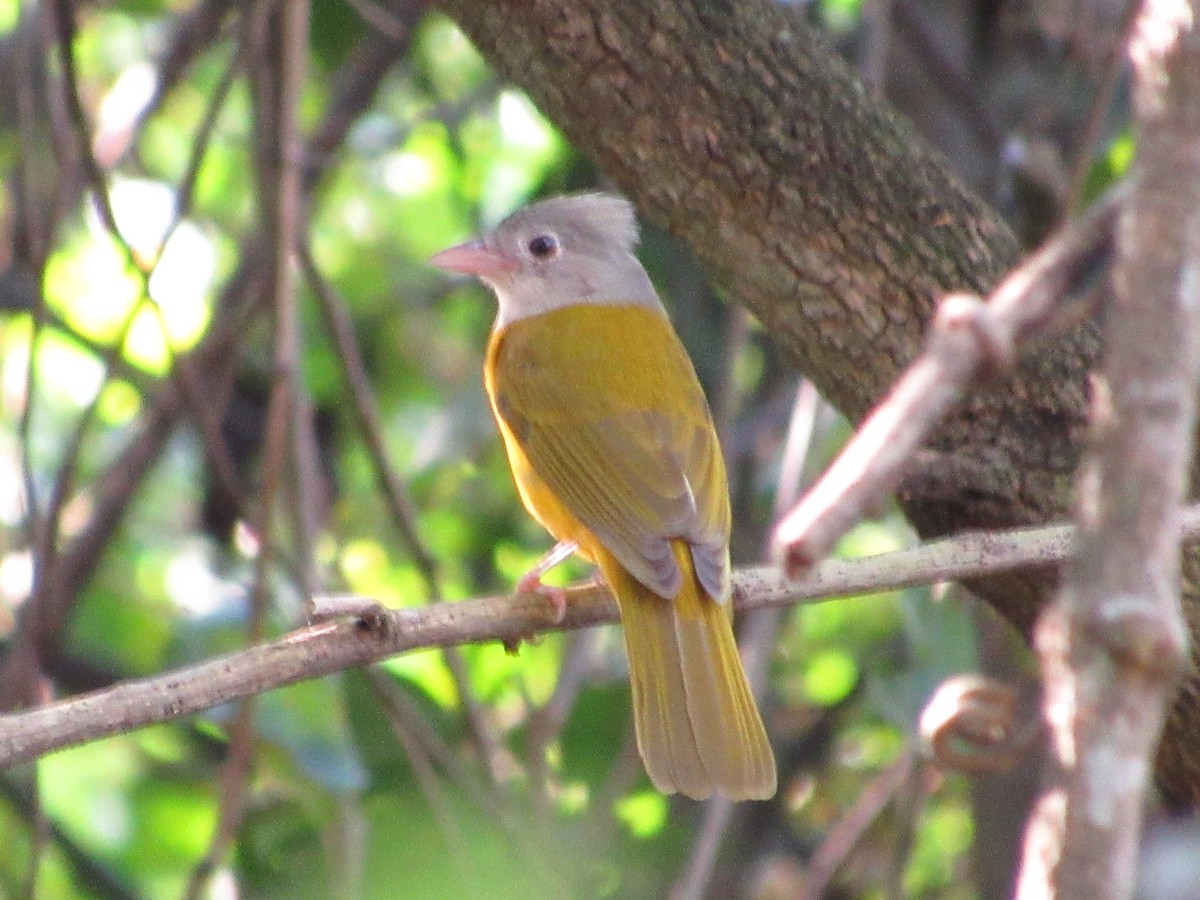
(733, 125)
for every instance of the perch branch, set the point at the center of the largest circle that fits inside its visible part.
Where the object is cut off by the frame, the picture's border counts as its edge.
(331, 646)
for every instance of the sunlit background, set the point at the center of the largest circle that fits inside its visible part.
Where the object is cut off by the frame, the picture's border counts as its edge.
(336, 806)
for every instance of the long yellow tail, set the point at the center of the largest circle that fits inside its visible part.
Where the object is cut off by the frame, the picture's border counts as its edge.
(698, 728)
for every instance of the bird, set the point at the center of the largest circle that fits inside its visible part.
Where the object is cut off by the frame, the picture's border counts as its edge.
(614, 452)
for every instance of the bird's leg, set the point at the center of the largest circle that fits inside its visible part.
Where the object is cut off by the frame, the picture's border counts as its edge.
(531, 582)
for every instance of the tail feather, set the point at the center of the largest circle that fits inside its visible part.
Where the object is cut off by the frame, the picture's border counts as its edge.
(698, 729)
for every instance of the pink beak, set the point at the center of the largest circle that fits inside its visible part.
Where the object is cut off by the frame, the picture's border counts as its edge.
(473, 258)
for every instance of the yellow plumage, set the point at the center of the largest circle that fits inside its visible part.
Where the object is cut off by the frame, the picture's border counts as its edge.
(605, 422)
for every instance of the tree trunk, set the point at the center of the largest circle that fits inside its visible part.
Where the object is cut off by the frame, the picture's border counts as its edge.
(732, 124)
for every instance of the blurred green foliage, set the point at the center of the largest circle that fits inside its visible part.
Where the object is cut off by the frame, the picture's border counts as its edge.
(335, 806)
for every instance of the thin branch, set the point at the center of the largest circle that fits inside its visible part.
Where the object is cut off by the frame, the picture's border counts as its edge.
(694, 881)
(100, 881)
(546, 722)
(1085, 144)
(877, 15)
(725, 400)
(969, 340)
(40, 620)
(422, 767)
(947, 74)
(37, 618)
(64, 23)
(1114, 644)
(341, 329)
(844, 837)
(382, 19)
(353, 90)
(331, 646)
(30, 213)
(192, 34)
(235, 772)
(908, 803)
(405, 714)
(281, 32)
(38, 249)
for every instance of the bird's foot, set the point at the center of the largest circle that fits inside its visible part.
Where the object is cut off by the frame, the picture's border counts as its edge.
(531, 583)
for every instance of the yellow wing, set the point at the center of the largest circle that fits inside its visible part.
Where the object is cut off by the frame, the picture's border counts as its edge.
(607, 411)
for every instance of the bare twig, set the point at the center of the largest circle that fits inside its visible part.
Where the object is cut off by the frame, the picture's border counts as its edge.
(909, 800)
(352, 92)
(192, 34)
(109, 499)
(282, 33)
(694, 881)
(1085, 145)
(38, 241)
(969, 339)
(409, 735)
(546, 722)
(37, 617)
(46, 523)
(1114, 644)
(877, 15)
(40, 619)
(232, 784)
(32, 216)
(947, 73)
(405, 714)
(46, 545)
(88, 870)
(382, 19)
(845, 835)
(341, 329)
(725, 399)
(64, 23)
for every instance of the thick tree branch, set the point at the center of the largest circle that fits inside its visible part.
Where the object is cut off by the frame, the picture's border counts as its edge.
(375, 634)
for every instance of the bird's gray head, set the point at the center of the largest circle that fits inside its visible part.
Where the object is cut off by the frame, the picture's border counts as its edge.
(560, 252)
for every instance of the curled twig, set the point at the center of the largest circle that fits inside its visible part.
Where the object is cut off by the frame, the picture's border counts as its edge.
(970, 725)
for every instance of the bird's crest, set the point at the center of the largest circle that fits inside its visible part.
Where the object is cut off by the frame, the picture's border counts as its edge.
(593, 217)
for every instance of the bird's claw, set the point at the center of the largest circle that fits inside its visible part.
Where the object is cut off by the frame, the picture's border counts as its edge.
(532, 584)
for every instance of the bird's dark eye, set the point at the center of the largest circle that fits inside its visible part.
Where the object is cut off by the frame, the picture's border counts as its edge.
(543, 246)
